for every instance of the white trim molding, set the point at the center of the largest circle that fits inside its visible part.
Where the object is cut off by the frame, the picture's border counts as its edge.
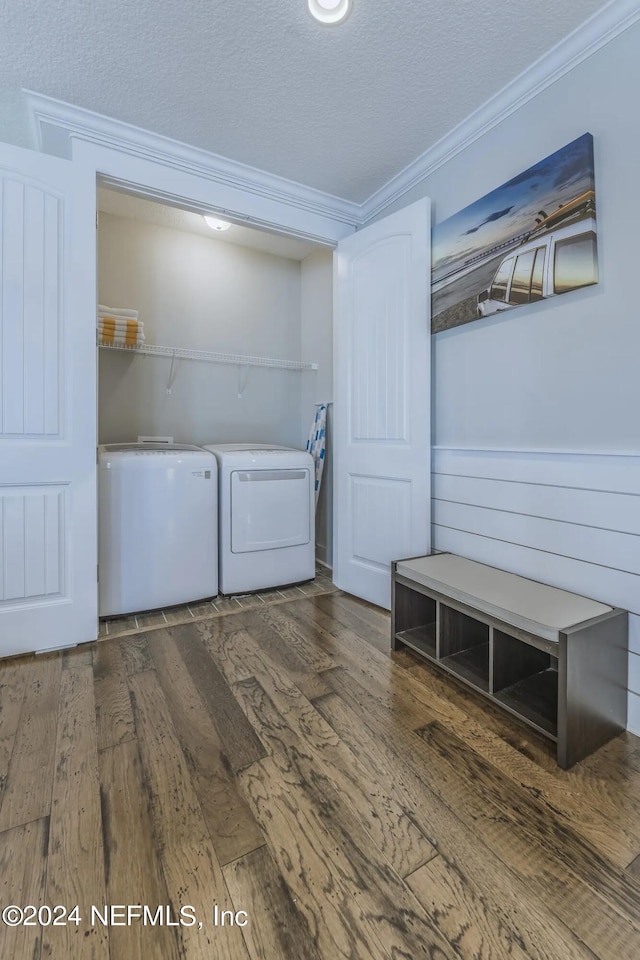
(592, 469)
(534, 452)
(54, 124)
(604, 26)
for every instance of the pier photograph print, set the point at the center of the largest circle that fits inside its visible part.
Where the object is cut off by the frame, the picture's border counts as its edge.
(532, 238)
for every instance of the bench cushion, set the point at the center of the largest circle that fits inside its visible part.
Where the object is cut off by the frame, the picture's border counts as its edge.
(534, 607)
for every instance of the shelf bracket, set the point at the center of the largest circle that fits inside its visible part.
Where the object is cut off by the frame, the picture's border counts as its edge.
(172, 374)
(244, 371)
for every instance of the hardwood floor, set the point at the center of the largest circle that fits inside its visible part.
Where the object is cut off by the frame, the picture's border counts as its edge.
(277, 762)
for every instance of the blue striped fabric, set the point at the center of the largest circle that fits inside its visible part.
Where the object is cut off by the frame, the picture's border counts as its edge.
(316, 443)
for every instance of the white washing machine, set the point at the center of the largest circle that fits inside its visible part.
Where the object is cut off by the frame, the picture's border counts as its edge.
(266, 516)
(157, 526)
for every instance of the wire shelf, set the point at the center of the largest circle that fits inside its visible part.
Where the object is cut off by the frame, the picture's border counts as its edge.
(182, 353)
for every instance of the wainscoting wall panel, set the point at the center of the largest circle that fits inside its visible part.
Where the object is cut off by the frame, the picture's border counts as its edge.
(568, 519)
(32, 544)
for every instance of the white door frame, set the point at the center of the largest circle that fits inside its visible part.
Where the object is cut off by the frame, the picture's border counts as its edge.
(170, 184)
(165, 182)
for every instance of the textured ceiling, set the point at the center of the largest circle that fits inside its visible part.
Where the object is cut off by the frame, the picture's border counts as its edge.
(136, 208)
(340, 108)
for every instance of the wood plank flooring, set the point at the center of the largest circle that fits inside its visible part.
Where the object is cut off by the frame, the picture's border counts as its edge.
(277, 769)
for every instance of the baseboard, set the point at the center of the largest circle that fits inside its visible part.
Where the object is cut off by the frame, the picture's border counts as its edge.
(321, 556)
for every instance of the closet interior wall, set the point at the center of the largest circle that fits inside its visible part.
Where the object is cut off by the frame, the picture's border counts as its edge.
(317, 343)
(203, 294)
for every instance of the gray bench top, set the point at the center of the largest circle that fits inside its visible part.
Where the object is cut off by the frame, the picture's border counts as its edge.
(535, 607)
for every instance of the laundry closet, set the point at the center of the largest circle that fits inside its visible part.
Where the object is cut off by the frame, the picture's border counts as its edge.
(221, 301)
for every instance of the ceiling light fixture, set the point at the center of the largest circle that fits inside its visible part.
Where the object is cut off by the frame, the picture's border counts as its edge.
(329, 11)
(216, 224)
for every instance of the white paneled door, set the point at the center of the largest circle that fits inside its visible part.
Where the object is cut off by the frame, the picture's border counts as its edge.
(48, 588)
(382, 416)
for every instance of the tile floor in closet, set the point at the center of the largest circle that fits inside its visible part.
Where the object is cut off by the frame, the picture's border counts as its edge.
(219, 606)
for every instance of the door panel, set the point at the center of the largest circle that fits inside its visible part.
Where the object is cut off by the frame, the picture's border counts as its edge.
(31, 224)
(373, 497)
(48, 593)
(382, 409)
(378, 407)
(33, 541)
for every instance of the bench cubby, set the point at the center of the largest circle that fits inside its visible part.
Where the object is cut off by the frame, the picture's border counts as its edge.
(553, 659)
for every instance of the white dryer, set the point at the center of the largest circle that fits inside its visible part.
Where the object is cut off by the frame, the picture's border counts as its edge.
(266, 535)
(157, 526)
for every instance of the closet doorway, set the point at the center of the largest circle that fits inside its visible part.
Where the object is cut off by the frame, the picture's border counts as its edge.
(237, 327)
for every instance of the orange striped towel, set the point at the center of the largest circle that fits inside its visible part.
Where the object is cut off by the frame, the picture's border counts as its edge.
(114, 332)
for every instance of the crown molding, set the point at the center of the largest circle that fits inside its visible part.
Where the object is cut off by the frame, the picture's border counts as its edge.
(54, 123)
(604, 26)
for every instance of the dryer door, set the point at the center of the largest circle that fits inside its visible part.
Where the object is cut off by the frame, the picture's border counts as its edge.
(270, 509)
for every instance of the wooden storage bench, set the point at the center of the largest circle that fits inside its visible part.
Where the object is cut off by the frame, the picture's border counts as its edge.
(554, 659)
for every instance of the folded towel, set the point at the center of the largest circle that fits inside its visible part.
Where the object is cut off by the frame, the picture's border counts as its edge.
(116, 312)
(117, 323)
(128, 335)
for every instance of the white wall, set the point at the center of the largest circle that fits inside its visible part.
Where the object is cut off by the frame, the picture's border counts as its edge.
(560, 374)
(515, 395)
(206, 294)
(14, 122)
(317, 345)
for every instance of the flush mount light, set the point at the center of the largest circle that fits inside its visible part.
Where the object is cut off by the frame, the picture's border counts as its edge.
(216, 224)
(329, 11)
